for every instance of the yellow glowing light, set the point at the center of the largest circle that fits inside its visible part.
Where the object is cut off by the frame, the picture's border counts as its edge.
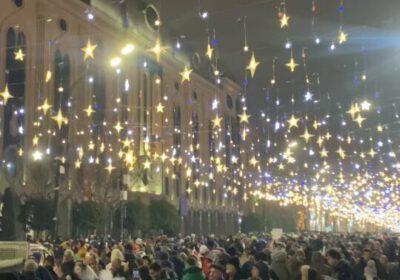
(45, 107)
(354, 109)
(160, 108)
(372, 153)
(252, 67)
(209, 51)
(316, 125)
(320, 141)
(186, 74)
(20, 152)
(126, 143)
(88, 50)
(217, 121)
(284, 20)
(37, 155)
(48, 76)
(77, 164)
(128, 49)
(118, 127)
(91, 146)
(341, 153)
(163, 157)
(359, 120)
(293, 121)
(307, 135)
(115, 61)
(324, 153)
(342, 38)
(253, 161)
(157, 49)
(147, 164)
(19, 55)
(89, 110)
(110, 168)
(35, 140)
(6, 95)
(379, 128)
(60, 119)
(292, 65)
(244, 117)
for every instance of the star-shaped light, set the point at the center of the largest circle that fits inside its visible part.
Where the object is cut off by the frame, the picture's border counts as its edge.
(88, 50)
(126, 143)
(316, 124)
(342, 38)
(379, 128)
(359, 120)
(365, 105)
(91, 146)
(129, 159)
(217, 121)
(35, 140)
(37, 155)
(6, 95)
(157, 49)
(77, 164)
(252, 67)
(163, 157)
(354, 109)
(292, 65)
(209, 51)
(89, 110)
(320, 141)
(147, 164)
(308, 96)
(253, 161)
(244, 117)
(293, 121)
(19, 55)
(160, 108)
(110, 168)
(284, 20)
(20, 152)
(306, 135)
(328, 136)
(45, 107)
(59, 119)
(324, 153)
(118, 127)
(372, 153)
(341, 153)
(186, 74)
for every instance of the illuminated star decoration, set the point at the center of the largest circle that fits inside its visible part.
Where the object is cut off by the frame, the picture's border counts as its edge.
(253, 161)
(89, 110)
(186, 74)
(89, 50)
(372, 153)
(365, 105)
(160, 108)
(284, 20)
(110, 168)
(6, 95)
(209, 51)
(252, 67)
(118, 127)
(324, 153)
(77, 164)
(157, 49)
(19, 55)
(341, 153)
(342, 37)
(359, 120)
(217, 121)
(147, 164)
(244, 117)
(45, 106)
(60, 119)
(354, 109)
(292, 65)
(308, 96)
(293, 121)
(306, 135)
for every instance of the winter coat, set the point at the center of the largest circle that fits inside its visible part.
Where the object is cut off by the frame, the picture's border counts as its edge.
(193, 273)
(279, 269)
(317, 263)
(342, 271)
(394, 273)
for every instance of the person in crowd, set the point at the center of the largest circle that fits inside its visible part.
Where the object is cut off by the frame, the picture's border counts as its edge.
(192, 271)
(155, 271)
(117, 266)
(370, 271)
(68, 264)
(318, 264)
(233, 269)
(49, 264)
(341, 270)
(217, 272)
(29, 272)
(41, 273)
(279, 269)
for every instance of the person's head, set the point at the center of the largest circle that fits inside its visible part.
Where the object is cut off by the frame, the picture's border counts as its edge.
(216, 272)
(366, 255)
(232, 266)
(333, 256)
(30, 266)
(146, 261)
(68, 255)
(49, 261)
(154, 271)
(308, 273)
(261, 256)
(191, 261)
(255, 272)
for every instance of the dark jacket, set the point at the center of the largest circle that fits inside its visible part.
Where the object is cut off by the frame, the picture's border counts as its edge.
(263, 269)
(394, 273)
(52, 272)
(43, 274)
(358, 270)
(193, 273)
(67, 268)
(121, 273)
(342, 271)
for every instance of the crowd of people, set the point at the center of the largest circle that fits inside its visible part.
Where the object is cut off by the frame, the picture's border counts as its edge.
(305, 256)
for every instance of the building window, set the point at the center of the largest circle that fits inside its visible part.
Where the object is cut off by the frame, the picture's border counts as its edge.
(229, 101)
(166, 186)
(151, 17)
(14, 109)
(62, 24)
(194, 95)
(61, 98)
